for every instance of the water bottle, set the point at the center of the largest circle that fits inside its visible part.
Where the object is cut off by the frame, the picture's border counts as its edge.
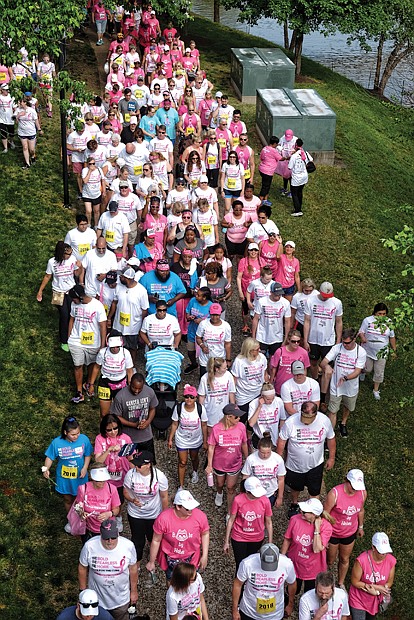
(132, 612)
(210, 480)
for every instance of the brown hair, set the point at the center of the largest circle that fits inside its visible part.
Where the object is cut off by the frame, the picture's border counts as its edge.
(182, 575)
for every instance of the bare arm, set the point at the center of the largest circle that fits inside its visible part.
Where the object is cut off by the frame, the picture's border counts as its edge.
(82, 576)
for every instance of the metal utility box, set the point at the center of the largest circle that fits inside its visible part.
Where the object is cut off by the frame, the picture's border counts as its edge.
(302, 110)
(253, 68)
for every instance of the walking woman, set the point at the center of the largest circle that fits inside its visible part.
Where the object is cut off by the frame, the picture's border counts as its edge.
(250, 372)
(216, 390)
(299, 178)
(269, 159)
(247, 271)
(27, 125)
(62, 269)
(185, 598)
(146, 493)
(232, 179)
(189, 429)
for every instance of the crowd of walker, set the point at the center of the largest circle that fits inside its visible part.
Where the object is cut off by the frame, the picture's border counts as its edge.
(161, 166)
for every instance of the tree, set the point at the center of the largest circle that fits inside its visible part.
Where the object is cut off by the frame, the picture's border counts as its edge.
(302, 16)
(382, 21)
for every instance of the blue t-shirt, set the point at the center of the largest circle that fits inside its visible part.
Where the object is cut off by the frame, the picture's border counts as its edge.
(165, 290)
(69, 614)
(169, 119)
(70, 456)
(148, 123)
(198, 311)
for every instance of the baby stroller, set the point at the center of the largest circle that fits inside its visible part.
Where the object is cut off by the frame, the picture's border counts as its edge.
(163, 368)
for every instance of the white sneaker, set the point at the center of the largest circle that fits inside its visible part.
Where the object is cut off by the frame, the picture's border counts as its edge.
(68, 529)
(194, 477)
(119, 524)
(218, 500)
(377, 395)
(362, 376)
(297, 214)
(4, 151)
(12, 145)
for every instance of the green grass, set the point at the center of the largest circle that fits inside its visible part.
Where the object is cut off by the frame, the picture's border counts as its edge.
(348, 209)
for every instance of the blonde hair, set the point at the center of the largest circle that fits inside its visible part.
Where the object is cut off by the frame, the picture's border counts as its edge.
(175, 205)
(213, 364)
(247, 346)
(327, 516)
(267, 387)
(160, 155)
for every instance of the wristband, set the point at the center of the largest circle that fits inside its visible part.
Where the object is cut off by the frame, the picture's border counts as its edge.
(316, 533)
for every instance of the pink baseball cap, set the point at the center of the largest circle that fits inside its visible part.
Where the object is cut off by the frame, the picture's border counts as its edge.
(187, 252)
(162, 265)
(289, 134)
(216, 309)
(189, 390)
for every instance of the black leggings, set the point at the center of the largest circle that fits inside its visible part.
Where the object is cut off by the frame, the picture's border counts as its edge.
(242, 549)
(297, 197)
(64, 316)
(266, 183)
(141, 530)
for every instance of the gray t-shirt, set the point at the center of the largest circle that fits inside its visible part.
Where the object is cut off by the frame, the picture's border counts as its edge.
(135, 408)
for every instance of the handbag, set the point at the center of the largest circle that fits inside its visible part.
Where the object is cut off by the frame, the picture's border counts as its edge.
(77, 525)
(310, 167)
(386, 599)
(57, 298)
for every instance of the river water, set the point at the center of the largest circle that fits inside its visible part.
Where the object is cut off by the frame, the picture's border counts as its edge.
(332, 51)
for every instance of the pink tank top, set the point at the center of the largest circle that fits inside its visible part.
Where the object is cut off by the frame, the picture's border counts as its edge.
(268, 252)
(362, 600)
(345, 512)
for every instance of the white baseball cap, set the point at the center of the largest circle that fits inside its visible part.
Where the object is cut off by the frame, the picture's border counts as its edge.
(89, 603)
(291, 243)
(184, 498)
(115, 341)
(254, 486)
(356, 479)
(100, 474)
(381, 542)
(312, 505)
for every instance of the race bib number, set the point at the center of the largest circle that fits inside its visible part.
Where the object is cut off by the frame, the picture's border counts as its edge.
(138, 170)
(194, 182)
(265, 605)
(106, 309)
(127, 117)
(110, 235)
(125, 319)
(207, 229)
(96, 119)
(87, 338)
(211, 160)
(222, 142)
(46, 76)
(189, 130)
(119, 17)
(247, 174)
(19, 78)
(236, 141)
(2, 76)
(83, 248)
(118, 61)
(69, 473)
(139, 94)
(231, 183)
(104, 393)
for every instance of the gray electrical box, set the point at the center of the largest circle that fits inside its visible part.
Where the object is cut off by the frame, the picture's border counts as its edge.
(253, 68)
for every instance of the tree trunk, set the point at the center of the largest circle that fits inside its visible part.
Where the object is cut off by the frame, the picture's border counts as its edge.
(298, 54)
(216, 11)
(286, 34)
(379, 62)
(292, 43)
(399, 53)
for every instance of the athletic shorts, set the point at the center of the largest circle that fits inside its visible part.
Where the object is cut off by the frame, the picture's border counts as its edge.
(335, 403)
(6, 131)
(132, 235)
(218, 472)
(106, 389)
(82, 355)
(318, 351)
(343, 541)
(131, 342)
(311, 479)
(77, 167)
(93, 201)
(289, 290)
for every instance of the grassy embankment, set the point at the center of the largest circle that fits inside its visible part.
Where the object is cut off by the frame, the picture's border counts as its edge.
(348, 209)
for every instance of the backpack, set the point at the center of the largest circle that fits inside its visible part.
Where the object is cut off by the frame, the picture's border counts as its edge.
(180, 406)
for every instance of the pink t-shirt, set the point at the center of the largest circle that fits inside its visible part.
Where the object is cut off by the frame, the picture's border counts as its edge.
(268, 252)
(283, 360)
(307, 563)
(100, 12)
(117, 465)
(286, 271)
(268, 160)
(346, 510)
(250, 517)
(157, 225)
(250, 206)
(181, 538)
(362, 600)
(253, 274)
(237, 233)
(204, 109)
(97, 501)
(227, 453)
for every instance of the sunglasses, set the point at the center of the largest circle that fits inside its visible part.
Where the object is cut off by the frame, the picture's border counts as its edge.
(295, 341)
(347, 342)
(189, 396)
(94, 605)
(161, 131)
(114, 428)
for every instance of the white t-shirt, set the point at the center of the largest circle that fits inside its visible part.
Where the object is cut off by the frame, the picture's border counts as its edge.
(114, 365)
(139, 487)
(298, 303)
(92, 188)
(128, 205)
(161, 330)
(306, 441)
(62, 274)
(338, 606)
(7, 105)
(298, 168)
(209, 194)
(271, 321)
(259, 232)
(322, 317)
(184, 603)
(164, 146)
(94, 265)
(299, 393)
(135, 161)
(249, 377)
(233, 175)
(206, 221)
(176, 196)
(26, 124)
(217, 395)
(345, 362)
(264, 587)
(131, 303)
(113, 228)
(269, 417)
(85, 331)
(189, 432)
(214, 336)
(81, 242)
(267, 470)
(109, 570)
(377, 337)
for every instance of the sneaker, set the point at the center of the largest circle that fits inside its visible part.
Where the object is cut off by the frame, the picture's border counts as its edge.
(65, 347)
(87, 388)
(282, 190)
(194, 477)
(297, 214)
(218, 500)
(119, 524)
(26, 167)
(68, 529)
(190, 368)
(12, 145)
(287, 194)
(377, 395)
(32, 160)
(78, 398)
(293, 510)
(343, 431)
(5, 151)
(79, 196)
(362, 376)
